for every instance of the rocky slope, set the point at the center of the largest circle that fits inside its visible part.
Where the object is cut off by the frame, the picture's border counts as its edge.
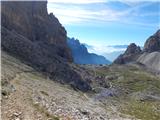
(30, 95)
(81, 54)
(27, 94)
(29, 33)
(149, 56)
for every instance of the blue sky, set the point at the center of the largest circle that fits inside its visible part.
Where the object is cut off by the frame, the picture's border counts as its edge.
(106, 22)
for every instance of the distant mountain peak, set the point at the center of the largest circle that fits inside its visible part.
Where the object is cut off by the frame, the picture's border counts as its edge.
(129, 55)
(82, 56)
(133, 49)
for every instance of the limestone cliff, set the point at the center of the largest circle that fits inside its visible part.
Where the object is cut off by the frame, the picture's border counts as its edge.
(33, 35)
(31, 20)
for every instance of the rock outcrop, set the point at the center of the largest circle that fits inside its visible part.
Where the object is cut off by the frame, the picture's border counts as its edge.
(31, 20)
(153, 43)
(151, 53)
(151, 60)
(131, 54)
(29, 33)
(81, 54)
(149, 56)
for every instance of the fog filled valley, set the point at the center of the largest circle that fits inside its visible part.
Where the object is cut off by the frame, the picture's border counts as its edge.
(46, 75)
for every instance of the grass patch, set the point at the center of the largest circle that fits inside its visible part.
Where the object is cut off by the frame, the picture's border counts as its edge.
(135, 82)
(44, 93)
(142, 110)
(45, 112)
(132, 80)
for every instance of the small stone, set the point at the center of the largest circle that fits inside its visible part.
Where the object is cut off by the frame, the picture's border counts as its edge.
(84, 112)
(6, 97)
(101, 118)
(49, 119)
(16, 114)
(36, 103)
(17, 119)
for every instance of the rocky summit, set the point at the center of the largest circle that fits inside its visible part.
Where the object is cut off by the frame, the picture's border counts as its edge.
(130, 54)
(153, 43)
(33, 35)
(149, 56)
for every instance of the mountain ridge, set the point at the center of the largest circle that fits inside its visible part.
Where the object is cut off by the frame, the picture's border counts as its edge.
(82, 56)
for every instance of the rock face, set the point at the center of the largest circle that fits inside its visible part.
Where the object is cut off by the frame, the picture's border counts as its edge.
(31, 20)
(81, 54)
(151, 53)
(153, 43)
(131, 54)
(29, 33)
(151, 60)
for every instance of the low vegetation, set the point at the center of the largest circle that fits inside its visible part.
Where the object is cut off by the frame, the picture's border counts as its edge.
(131, 93)
(139, 91)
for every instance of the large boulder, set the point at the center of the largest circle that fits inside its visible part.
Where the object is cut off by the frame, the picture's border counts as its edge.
(150, 60)
(33, 35)
(151, 53)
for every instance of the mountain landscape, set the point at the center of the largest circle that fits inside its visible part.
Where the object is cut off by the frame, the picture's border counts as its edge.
(47, 76)
(82, 56)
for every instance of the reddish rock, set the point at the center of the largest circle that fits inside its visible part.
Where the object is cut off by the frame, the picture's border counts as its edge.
(153, 43)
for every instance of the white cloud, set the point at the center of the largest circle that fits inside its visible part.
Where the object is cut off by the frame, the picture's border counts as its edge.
(74, 14)
(135, 2)
(101, 49)
(129, 2)
(77, 1)
(110, 52)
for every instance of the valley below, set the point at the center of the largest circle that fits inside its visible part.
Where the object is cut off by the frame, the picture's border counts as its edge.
(118, 92)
